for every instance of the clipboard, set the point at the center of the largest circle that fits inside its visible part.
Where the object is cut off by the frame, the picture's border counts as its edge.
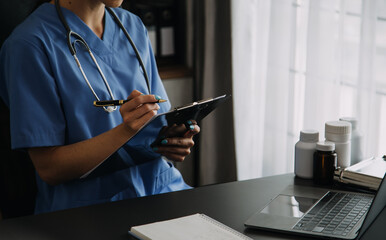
(192, 111)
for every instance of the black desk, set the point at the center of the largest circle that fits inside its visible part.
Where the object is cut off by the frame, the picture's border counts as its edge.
(230, 203)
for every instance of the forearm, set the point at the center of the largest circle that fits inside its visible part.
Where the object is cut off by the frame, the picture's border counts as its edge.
(59, 164)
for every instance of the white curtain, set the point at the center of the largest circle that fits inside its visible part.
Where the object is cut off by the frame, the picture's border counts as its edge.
(298, 64)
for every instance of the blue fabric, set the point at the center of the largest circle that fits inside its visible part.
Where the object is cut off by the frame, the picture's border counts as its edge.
(51, 104)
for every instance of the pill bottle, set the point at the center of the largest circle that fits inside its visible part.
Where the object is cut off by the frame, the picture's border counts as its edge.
(339, 132)
(304, 151)
(356, 140)
(325, 162)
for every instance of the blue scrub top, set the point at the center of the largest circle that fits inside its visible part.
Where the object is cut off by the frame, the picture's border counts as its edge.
(51, 104)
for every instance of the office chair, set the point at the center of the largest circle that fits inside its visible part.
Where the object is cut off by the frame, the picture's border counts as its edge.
(17, 174)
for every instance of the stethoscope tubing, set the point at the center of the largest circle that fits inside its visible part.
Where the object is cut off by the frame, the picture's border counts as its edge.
(132, 44)
(78, 38)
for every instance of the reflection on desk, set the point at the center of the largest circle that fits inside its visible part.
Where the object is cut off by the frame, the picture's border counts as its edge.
(290, 206)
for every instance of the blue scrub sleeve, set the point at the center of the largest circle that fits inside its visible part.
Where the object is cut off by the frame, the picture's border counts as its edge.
(36, 115)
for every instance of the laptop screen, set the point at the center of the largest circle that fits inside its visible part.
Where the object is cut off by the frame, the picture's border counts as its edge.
(379, 203)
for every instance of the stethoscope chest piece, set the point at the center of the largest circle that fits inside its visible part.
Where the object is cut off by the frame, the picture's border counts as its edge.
(110, 109)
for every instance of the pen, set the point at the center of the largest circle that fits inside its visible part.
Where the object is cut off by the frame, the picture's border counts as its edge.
(118, 102)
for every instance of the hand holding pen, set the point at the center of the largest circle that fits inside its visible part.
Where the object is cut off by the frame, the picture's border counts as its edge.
(138, 110)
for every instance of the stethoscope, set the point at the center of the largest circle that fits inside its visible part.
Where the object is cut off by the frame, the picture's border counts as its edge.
(79, 39)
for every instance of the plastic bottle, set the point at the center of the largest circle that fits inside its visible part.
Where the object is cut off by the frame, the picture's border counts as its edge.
(304, 151)
(325, 162)
(339, 132)
(356, 140)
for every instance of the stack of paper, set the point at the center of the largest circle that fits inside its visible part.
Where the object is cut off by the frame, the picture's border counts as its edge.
(367, 174)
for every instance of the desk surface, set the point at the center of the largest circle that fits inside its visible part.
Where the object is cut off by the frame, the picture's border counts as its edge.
(230, 203)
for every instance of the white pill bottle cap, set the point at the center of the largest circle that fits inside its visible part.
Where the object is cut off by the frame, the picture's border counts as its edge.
(338, 131)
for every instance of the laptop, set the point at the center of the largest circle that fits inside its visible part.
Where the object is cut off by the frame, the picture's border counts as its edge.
(320, 213)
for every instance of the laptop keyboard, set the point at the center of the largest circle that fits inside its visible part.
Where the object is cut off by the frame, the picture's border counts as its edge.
(335, 214)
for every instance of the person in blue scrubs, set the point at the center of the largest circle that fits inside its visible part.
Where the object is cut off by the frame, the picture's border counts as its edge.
(53, 118)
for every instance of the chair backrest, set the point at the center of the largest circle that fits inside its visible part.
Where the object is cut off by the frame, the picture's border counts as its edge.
(17, 174)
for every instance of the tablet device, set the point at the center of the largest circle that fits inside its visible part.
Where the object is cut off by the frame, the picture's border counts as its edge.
(192, 111)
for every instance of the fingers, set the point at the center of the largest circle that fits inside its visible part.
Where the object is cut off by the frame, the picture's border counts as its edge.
(134, 93)
(173, 153)
(186, 130)
(175, 149)
(135, 122)
(139, 110)
(138, 99)
(177, 142)
(174, 157)
(193, 130)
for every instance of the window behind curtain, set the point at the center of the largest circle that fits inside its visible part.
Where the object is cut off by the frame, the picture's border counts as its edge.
(302, 63)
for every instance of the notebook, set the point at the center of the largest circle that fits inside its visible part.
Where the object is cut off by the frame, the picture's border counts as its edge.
(319, 212)
(366, 174)
(192, 227)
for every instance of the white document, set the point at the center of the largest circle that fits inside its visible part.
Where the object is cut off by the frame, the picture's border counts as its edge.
(192, 227)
